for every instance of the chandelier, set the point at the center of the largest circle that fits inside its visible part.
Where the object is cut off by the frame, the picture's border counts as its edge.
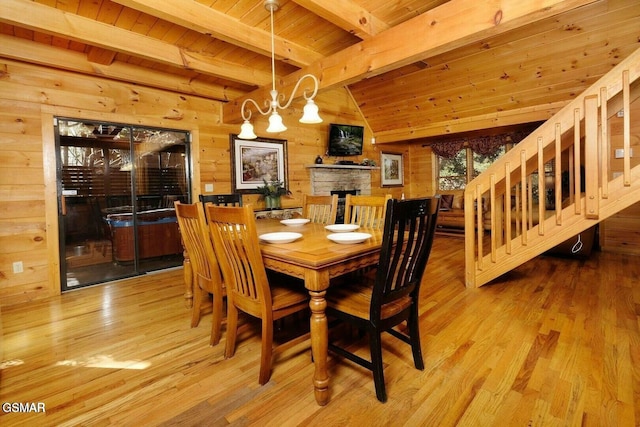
(310, 112)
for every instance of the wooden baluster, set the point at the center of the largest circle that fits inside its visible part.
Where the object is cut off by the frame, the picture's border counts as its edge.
(478, 203)
(591, 156)
(507, 208)
(626, 110)
(603, 143)
(576, 171)
(523, 180)
(557, 178)
(493, 211)
(542, 188)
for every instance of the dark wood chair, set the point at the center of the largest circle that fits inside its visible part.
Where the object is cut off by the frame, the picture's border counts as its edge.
(206, 270)
(233, 199)
(389, 296)
(249, 290)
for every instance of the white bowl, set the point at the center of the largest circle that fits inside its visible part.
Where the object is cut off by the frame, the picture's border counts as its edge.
(295, 222)
(348, 238)
(342, 228)
(280, 237)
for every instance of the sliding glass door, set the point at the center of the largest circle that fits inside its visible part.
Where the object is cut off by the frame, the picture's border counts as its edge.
(116, 187)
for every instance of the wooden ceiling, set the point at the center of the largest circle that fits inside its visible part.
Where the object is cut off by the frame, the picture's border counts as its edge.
(416, 68)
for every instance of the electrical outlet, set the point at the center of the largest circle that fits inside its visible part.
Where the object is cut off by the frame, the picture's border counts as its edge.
(208, 188)
(18, 267)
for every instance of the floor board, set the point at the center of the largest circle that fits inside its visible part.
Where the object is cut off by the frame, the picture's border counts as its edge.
(554, 342)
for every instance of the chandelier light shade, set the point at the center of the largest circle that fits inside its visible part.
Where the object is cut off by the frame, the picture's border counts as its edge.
(310, 112)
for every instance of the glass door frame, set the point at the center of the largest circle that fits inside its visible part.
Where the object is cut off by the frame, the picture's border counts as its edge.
(133, 184)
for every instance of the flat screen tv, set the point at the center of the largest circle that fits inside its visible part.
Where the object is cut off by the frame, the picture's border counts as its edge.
(345, 140)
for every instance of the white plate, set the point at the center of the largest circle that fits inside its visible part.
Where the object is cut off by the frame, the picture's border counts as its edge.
(342, 228)
(348, 238)
(295, 222)
(281, 237)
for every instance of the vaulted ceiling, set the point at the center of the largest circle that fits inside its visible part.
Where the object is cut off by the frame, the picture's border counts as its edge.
(415, 68)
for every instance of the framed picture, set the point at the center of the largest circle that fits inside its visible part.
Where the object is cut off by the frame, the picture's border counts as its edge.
(255, 161)
(391, 169)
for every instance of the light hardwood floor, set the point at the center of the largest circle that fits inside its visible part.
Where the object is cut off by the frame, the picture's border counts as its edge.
(556, 342)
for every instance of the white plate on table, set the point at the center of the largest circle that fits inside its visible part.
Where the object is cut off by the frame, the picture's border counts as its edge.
(348, 238)
(280, 237)
(342, 228)
(295, 222)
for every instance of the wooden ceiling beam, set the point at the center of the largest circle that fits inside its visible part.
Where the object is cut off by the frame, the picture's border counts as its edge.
(347, 15)
(198, 17)
(101, 56)
(38, 53)
(49, 20)
(431, 33)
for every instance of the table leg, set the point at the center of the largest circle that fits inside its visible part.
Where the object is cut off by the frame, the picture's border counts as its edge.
(319, 344)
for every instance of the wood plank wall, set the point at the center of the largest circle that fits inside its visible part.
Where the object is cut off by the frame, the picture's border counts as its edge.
(31, 95)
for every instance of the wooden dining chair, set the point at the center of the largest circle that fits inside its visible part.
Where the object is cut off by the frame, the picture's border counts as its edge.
(206, 270)
(249, 289)
(366, 211)
(393, 296)
(320, 209)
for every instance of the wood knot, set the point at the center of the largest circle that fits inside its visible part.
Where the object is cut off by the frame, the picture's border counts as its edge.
(497, 18)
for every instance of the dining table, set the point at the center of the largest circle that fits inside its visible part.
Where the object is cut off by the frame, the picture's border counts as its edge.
(316, 259)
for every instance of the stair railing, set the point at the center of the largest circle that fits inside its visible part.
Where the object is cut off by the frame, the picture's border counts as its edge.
(525, 215)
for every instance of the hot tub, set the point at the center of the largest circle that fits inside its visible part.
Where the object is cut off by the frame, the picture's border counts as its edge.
(158, 234)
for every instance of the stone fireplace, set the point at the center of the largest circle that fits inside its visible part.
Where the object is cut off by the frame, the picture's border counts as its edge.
(328, 178)
(341, 180)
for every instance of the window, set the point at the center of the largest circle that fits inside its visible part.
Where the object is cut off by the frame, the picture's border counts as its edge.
(455, 172)
(452, 172)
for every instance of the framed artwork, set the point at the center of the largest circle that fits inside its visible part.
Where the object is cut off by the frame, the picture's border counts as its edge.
(391, 169)
(255, 161)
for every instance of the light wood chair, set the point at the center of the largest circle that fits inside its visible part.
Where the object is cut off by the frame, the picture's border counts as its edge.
(206, 270)
(366, 211)
(249, 290)
(393, 297)
(320, 209)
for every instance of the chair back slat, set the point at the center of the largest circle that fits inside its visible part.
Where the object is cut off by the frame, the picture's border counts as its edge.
(197, 242)
(234, 234)
(366, 211)
(408, 236)
(320, 209)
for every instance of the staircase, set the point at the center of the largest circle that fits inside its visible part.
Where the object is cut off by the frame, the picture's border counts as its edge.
(575, 145)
